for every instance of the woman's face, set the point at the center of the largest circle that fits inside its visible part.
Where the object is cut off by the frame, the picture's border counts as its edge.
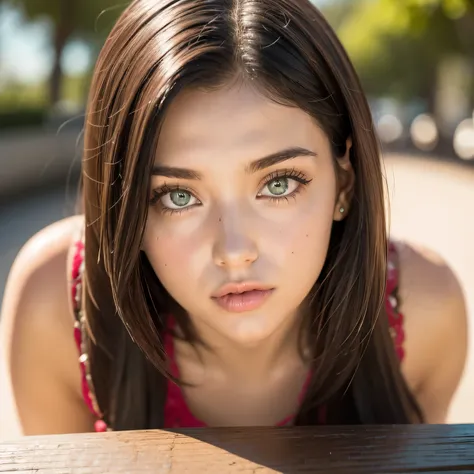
(244, 197)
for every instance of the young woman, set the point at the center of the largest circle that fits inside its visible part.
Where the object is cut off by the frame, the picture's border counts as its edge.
(232, 265)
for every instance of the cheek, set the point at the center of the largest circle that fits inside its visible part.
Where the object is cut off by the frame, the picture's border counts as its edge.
(306, 233)
(307, 245)
(176, 255)
(302, 245)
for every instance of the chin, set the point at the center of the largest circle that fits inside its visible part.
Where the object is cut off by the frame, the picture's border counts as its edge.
(249, 330)
(249, 340)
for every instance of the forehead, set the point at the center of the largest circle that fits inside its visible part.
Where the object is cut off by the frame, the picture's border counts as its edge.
(232, 121)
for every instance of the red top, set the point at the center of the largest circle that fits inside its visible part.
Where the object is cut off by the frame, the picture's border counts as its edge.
(176, 411)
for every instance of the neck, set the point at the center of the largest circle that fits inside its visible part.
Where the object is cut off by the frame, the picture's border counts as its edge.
(247, 362)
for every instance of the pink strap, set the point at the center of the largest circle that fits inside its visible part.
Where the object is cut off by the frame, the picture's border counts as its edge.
(76, 274)
(395, 317)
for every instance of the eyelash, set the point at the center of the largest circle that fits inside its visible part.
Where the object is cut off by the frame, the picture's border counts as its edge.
(157, 194)
(293, 174)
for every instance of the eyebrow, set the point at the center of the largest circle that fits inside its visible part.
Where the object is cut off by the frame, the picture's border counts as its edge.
(257, 165)
(278, 157)
(172, 172)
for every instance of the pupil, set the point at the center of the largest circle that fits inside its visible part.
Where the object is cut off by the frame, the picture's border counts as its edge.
(180, 198)
(279, 186)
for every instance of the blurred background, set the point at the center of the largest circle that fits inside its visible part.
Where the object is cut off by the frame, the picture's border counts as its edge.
(416, 62)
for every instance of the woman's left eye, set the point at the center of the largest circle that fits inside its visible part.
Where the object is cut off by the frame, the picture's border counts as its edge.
(277, 187)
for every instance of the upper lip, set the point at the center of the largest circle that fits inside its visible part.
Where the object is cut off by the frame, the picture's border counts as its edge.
(240, 288)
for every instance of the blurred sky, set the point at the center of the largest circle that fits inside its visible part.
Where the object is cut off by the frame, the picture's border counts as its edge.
(25, 51)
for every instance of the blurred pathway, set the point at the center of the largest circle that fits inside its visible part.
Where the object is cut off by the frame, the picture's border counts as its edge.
(432, 204)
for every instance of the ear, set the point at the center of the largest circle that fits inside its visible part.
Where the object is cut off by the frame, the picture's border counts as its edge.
(345, 180)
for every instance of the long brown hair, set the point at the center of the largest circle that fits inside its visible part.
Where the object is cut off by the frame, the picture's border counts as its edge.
(287, 49)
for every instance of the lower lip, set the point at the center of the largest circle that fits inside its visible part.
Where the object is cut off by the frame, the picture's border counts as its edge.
(241, 302)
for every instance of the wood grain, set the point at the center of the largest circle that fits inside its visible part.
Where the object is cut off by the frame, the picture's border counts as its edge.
(362, 449)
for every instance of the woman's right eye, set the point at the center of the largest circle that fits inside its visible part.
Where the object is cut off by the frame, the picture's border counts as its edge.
(176, 199)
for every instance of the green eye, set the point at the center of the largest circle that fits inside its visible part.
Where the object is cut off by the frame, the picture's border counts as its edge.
(176, 199)
(180, 198)
(278, 186)
(282, 184)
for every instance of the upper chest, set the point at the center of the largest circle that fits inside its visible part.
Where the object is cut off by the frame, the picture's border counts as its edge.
(216, 398)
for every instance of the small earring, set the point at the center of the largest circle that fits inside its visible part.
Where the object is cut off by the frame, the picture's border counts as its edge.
(341, 210)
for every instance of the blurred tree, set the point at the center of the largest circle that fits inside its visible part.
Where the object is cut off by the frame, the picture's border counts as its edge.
(71, 19)
(397, 45)
(336, 12)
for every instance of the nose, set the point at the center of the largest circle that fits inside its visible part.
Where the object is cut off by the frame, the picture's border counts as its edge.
(234, 247)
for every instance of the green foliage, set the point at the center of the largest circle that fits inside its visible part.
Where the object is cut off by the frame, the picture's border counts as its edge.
(25, 117)
(16, 96)
(397, 45)
(453, 9)
(74, 89)
(24, 105)
(87, 18)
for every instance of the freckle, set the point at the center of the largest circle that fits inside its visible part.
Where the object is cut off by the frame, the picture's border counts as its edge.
(220, 220)
(166, 265)
(306, 235)
(292, 253)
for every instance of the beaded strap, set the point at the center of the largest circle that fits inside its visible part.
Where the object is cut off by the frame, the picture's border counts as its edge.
(392, 302)
(80, 335)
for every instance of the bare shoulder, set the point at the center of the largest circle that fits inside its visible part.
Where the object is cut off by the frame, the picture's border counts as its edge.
(40, 269)
(433, 304)
(37, 331)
